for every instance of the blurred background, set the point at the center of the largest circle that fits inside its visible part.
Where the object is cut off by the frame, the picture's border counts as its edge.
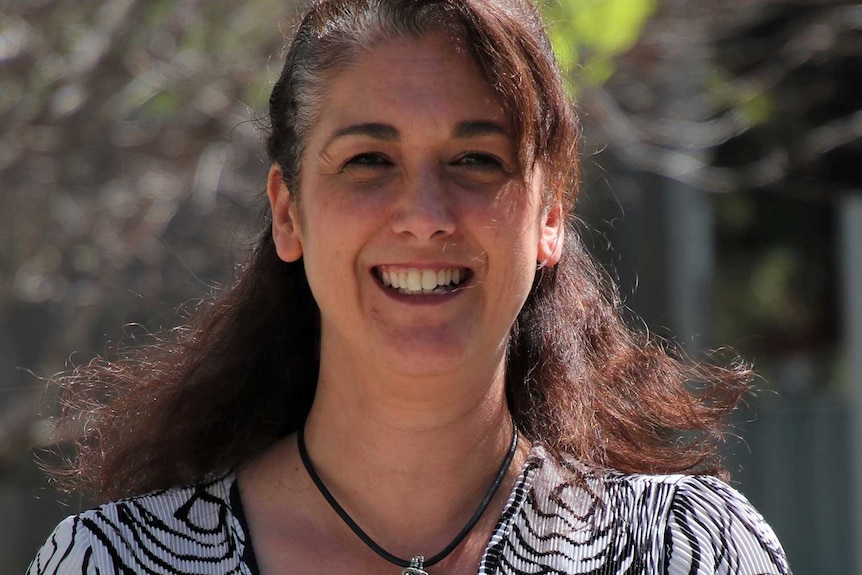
(722, 188)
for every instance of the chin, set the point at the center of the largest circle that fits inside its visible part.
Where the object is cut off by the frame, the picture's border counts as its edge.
(419, 363)
(424, 358)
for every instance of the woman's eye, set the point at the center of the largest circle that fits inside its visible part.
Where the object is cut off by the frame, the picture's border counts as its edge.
(479, 160)
(370, 160)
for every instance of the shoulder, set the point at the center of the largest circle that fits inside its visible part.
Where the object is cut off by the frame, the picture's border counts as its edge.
(711, 525)
(579, 520)
(566, 518)
(602, 495)
(150, 533)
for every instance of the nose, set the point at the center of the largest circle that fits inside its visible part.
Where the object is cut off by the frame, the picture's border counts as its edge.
(424, 209)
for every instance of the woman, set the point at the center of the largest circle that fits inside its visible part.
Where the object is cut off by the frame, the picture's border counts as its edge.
(418, 371)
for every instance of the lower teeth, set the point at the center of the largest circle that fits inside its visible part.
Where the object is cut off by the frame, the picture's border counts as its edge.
(438, 289)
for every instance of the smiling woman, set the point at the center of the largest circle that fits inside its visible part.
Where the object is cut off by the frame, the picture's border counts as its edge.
(414, 196)
(420, 368)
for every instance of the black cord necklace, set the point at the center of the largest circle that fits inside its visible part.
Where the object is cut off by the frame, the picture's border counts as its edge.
(417, 565)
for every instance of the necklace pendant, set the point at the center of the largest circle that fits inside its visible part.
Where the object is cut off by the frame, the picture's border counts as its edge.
(416, 567)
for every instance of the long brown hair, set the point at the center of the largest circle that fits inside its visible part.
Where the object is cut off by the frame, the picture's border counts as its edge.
(243, 372)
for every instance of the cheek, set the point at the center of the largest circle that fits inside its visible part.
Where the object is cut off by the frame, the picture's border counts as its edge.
(334, 235)
(512, 248)
(514, 219)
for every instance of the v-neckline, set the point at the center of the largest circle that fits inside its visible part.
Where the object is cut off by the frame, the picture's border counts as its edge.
(490, 557)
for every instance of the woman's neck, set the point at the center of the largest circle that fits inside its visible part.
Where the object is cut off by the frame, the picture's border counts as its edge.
(409, 461)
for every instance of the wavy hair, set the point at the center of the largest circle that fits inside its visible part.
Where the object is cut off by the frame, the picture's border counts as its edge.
(242, 373)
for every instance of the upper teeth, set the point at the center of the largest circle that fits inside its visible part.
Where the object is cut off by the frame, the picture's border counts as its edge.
(420, 280)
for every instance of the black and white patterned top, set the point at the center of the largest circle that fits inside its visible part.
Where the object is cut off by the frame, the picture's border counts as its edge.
(556, 521)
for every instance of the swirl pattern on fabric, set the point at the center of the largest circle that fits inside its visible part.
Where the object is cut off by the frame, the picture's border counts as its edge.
(560, 519)
(188, 531)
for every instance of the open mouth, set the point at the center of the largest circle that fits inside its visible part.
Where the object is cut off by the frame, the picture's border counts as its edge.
(422, 280)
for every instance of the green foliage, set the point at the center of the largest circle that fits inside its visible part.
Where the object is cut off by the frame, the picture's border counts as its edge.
(163, 105)
(771, 282)
(588, 34)
(754, 104)
(774, 274)
(756, 108)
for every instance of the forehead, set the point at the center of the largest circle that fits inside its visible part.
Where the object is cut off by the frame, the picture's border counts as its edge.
(410, 80)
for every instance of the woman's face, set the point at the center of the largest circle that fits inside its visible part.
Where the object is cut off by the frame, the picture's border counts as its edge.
(419, 237)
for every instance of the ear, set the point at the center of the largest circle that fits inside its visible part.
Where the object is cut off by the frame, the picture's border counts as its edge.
(551, 236)
(285, 221)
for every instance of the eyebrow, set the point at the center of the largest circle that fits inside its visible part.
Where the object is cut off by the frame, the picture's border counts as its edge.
(475, 129)
(372, 130)
(385, 132)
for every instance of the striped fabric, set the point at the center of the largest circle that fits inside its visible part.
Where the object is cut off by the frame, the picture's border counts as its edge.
(559, 519)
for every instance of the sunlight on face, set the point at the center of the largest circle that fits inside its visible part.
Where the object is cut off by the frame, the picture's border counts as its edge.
(418, 234)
